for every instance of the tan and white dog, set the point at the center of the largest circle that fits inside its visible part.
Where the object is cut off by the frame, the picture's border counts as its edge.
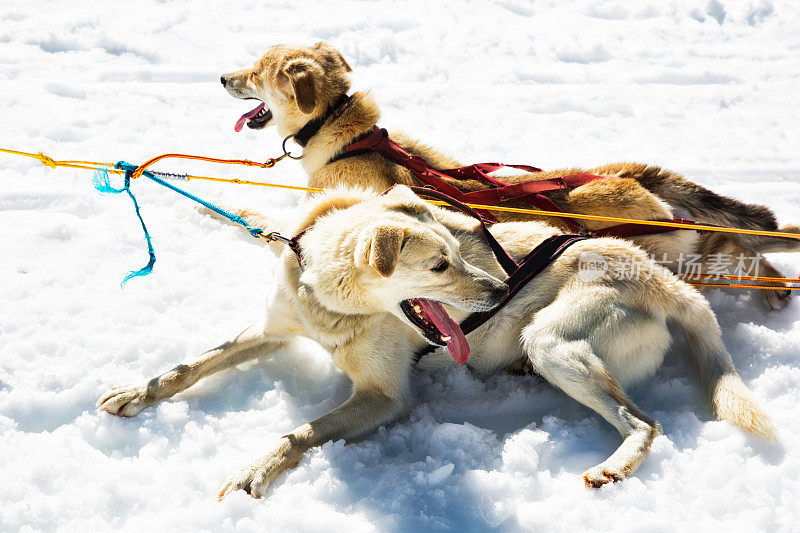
(297, 84)
(382, 277)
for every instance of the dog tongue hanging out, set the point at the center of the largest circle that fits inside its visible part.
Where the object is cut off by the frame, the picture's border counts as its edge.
(437, 326)
(255, 118)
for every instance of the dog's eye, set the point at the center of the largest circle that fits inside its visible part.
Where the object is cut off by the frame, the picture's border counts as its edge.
(441, 267)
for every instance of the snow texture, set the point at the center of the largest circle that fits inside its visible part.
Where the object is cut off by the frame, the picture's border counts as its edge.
(707, 89)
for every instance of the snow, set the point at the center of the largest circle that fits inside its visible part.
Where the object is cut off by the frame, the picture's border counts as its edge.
(708, 89)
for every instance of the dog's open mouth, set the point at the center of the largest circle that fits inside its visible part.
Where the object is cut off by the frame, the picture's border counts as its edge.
(437, 326)
(256, 118)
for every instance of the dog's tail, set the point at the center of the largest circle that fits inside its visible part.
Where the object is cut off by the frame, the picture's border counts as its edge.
(704, 205)
(708, 206)
(726, 392)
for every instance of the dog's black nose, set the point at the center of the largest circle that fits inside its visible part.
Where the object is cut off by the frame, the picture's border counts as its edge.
(222, 80)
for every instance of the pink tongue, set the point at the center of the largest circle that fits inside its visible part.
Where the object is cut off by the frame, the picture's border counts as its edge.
(457, 345)
(249, 114)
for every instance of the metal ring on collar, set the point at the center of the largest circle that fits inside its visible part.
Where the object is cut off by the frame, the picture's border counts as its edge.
(286, 152)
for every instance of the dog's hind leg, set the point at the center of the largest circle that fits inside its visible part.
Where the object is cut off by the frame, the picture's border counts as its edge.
(560, 352)
(129, 400)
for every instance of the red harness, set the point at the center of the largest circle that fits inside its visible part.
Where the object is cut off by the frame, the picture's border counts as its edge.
(530, 192)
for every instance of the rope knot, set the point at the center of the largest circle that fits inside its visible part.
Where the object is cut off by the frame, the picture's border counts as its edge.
(46, 160)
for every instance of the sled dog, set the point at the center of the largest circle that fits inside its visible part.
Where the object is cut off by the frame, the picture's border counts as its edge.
(378, 278)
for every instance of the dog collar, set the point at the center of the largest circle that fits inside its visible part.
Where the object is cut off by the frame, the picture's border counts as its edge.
(312, 127)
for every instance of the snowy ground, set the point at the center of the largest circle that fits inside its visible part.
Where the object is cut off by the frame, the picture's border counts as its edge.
(706, 88)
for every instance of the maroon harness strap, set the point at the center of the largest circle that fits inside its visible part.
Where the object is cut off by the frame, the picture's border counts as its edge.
(520, 190)
(529, 192)
(378, 140)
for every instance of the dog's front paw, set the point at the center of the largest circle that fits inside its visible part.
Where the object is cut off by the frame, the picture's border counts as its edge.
(127, 400)
(599, 475)
(255, 478)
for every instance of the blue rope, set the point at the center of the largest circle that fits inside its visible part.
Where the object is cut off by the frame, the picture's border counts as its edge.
(103, 184)
(128, 168)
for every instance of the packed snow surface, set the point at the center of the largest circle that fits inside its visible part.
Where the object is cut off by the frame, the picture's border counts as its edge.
(706, 88)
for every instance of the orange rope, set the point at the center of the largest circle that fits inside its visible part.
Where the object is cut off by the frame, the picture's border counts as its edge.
(740, 278)
(269, 163)
(741, 286)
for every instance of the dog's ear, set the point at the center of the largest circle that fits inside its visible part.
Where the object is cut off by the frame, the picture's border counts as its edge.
(379, 247)
(301, 75)
(330, 50)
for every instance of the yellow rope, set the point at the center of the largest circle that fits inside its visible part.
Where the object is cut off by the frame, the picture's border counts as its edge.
(48, 161)
(245, 182)
(94, 165)
(678, 225)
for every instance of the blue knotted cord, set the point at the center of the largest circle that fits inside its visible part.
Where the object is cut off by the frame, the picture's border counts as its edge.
(102, 183)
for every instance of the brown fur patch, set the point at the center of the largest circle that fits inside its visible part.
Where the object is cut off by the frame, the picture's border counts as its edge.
(301, 76)
(384, 249)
